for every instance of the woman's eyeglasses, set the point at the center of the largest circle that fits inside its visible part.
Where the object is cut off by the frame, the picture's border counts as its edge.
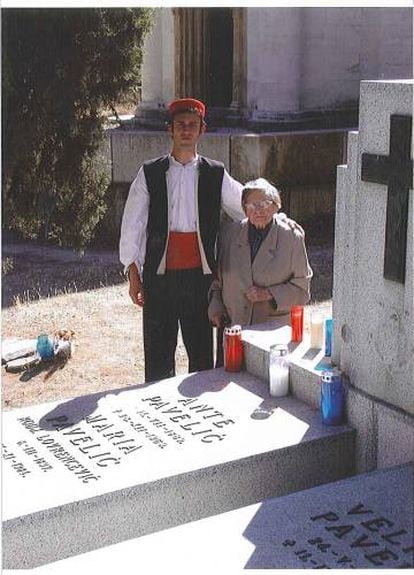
(259, 205)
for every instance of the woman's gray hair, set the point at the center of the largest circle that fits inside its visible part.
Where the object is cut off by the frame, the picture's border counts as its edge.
(264, 186)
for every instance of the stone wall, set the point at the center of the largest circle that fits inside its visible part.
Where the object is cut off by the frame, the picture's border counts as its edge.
(310, 59)
(302, 165)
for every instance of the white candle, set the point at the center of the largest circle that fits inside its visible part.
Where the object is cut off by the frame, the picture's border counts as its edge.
(279, 380)
(316, 335)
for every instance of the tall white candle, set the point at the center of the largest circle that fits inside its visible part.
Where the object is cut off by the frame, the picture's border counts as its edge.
(316, 335)
(279, 380)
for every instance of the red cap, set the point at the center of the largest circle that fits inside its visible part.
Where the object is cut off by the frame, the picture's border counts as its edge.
(187, 105)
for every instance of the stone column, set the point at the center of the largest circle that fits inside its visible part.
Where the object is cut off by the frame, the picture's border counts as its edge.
(158, 67)
(239, 59)
(190, 46)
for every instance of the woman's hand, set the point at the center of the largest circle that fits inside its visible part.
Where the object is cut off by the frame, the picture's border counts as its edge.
(256, 294)
(216, 319)
(220, 320)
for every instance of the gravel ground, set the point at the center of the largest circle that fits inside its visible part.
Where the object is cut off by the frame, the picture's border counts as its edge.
(48, 288)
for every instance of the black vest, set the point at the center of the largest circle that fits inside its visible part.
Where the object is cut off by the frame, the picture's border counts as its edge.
(210, 179)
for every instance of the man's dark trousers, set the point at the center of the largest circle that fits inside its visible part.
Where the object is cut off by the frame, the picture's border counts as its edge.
(176, 298)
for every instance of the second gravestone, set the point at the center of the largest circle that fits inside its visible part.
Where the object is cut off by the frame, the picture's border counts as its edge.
(103, 468)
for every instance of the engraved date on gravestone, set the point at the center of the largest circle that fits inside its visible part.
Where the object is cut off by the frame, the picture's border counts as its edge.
(14, 462)
(104, 440)
(188, 417)
(358, 537)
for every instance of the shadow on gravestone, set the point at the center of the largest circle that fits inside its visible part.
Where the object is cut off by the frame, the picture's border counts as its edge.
(193, 385)
(76, 409)
(214, 381)
(362, 522)
(172, 471)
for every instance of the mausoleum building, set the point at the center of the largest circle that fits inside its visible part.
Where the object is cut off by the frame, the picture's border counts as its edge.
(265, 66)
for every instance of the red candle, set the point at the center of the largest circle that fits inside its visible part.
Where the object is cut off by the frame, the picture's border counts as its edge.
(296, 322)
(233, 348)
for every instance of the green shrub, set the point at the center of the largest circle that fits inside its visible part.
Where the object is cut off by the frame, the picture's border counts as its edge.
(62, 69)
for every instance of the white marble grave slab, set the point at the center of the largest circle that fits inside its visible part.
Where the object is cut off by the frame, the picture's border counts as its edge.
(98, 469)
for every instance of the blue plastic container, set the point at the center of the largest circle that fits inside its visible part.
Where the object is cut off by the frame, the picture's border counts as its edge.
(44, 347)
(332, 397)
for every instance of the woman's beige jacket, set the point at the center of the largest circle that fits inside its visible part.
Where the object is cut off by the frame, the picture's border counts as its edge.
(281, 265)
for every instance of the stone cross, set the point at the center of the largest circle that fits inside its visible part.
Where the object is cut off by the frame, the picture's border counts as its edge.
(396, 172)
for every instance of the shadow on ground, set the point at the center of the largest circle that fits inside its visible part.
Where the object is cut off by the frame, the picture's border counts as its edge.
(31, 271)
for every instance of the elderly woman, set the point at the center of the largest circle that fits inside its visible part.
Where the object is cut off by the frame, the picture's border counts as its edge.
(263, 266)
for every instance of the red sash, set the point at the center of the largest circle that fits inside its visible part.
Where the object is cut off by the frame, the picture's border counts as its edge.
(183, 251)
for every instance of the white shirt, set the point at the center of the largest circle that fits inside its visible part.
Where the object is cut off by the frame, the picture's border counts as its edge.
(182, 186)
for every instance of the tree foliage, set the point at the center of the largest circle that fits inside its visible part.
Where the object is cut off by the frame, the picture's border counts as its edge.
(62, 69)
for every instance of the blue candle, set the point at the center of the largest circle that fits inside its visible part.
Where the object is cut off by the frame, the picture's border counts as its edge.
(328, 336)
